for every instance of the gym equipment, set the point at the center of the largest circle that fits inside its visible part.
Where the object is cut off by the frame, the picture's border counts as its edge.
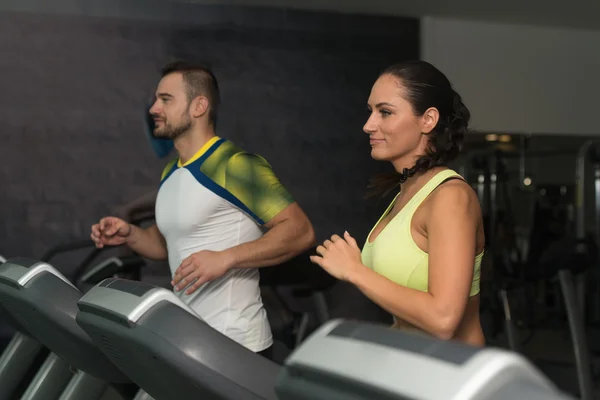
(588, 153)
(294, 295)
(510, 329)
(67, 247)
(547, 269)
(554, 257)
(167, 349)
(44, 302)
(581, 350)
(22, 356)
(136, 212)
(580, 179)
(82, 266)
(351, 360)
(583, 364)
(133, 323)
(110, 267)
(19, 357)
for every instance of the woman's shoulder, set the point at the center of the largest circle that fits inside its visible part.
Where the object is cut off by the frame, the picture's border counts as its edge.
(454, 195)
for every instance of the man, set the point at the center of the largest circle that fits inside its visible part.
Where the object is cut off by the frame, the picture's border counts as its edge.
(213, 205)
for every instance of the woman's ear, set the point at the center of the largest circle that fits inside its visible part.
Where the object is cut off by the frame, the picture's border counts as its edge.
(429, 120)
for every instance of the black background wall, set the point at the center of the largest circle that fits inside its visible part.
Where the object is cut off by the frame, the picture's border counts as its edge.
(76, 78)
(74, 87)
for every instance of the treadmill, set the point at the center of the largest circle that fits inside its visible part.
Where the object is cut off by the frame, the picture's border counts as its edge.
(358, 361)
(44, 303)
(167, 349)
(171, 353)
(20, 356)
(110, 267)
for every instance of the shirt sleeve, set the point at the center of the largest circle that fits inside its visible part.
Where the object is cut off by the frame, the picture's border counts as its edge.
(251, 179)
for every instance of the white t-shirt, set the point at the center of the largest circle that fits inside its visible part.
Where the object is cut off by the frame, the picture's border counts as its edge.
(219, 199)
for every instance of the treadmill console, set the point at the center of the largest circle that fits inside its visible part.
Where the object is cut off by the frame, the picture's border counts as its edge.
(360, 361)
(18, 271)
(127, 300)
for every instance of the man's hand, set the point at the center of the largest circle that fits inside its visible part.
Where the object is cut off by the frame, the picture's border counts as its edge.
(199, 268)
(110, 231)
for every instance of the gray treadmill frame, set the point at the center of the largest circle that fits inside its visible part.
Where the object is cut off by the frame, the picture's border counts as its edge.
(53, 375)
(16, 360)
(130, 321)
(17, 274)
(324, 367)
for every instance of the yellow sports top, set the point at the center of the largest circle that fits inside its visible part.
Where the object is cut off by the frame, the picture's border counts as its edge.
(395, 255)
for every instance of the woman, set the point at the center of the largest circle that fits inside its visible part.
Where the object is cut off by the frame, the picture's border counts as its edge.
(421, 261)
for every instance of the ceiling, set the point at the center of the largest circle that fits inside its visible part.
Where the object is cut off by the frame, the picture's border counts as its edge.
(579, 14)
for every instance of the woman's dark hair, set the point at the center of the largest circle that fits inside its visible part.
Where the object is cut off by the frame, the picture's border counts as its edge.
(424, 87)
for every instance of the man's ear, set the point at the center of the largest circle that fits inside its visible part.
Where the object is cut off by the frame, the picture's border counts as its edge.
(199, 106)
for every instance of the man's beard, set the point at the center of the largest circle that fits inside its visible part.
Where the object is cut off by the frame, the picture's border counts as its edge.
(171, 132)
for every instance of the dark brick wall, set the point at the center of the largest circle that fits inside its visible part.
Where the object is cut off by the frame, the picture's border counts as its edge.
(74, 88)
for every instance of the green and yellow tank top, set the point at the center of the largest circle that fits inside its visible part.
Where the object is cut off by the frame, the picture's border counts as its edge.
(395, 255)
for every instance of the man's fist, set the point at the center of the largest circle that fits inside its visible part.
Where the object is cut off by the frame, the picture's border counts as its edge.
(110, 231)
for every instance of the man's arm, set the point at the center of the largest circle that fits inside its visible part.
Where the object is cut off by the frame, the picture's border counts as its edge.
(288, 234)
(148, 243)
(142, 204)
(250, 179)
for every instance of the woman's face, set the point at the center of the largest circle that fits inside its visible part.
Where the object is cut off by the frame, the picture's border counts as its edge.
(396, 134)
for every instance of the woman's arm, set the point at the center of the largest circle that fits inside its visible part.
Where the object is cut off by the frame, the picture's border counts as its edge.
(451, 227)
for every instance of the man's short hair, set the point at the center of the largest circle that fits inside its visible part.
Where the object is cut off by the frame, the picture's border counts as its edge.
(199, 81)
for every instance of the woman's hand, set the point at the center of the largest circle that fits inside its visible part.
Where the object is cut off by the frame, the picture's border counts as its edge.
(340, 257)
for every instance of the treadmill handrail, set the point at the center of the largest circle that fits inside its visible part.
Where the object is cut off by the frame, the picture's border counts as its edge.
(22, 275)
(99, 267)
(100, 297)
(80, 270)
(580, 164)
(120, 262)
(67, 247)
